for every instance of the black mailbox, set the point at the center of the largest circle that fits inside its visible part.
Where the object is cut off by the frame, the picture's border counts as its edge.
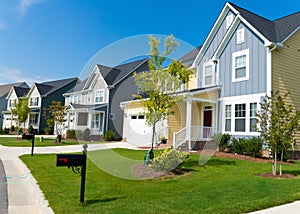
(27, 136)
(69, 160)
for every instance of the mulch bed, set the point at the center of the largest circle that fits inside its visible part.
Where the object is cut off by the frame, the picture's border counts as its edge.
(145, 172)
(270, 175)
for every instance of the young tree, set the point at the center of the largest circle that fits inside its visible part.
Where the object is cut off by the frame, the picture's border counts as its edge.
(55, 117)
(278, 124)
(159, 84)
(21, 110)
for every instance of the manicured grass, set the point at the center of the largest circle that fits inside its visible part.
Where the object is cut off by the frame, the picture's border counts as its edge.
(13, 141)
(219, 186)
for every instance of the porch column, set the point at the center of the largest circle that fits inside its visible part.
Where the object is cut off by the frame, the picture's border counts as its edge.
(189, 121)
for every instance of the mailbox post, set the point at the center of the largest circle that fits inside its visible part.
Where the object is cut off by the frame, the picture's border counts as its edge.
(78, 164)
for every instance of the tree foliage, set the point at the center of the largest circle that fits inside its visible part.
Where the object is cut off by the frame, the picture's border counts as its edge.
(55, 116)
(22, 110)
(160, 84)
(278, 123)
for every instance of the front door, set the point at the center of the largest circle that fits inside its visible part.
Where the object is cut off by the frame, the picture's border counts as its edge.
(207, 123)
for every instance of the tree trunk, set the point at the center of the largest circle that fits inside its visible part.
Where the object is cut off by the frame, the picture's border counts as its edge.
(153, 135)
(274, 162)
(281, 160)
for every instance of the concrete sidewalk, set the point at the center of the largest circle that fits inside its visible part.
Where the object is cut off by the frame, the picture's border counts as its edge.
(25, 196)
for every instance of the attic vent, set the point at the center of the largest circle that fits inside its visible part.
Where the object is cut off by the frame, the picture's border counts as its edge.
(229, 20)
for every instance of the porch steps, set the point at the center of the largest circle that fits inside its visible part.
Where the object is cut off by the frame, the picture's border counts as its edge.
(198, 145)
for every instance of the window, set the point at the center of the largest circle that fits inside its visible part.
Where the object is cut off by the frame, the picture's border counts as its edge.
(97, 121)
(240, 36)
(141, 117)
(99, 96)
(240, 117)
(34, 101)
(253, 112)
(228, 118)
(89, 97)
(209, 74)
(240, 65)
(229, 20)
(11, 103)
(33, 119)
(133, 117)
(82, 119)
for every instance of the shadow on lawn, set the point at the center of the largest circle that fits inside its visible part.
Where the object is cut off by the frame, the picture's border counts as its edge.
(95, 201)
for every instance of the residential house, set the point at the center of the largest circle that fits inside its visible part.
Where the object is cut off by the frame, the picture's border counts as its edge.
(41, 95)
(13, 97)
(95, 102)
(243, 59)
(5, 103)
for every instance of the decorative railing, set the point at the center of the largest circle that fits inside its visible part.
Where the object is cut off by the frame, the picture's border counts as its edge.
(197, 133)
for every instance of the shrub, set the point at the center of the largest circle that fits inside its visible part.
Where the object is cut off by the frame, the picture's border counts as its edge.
(20, 131)
(86, 134)
(83, 135)
(30, 129)
(222, 140)
(168, 159)
(47, 130)
(71, 133)
(1, 131)
(12, 128)
(109, 135)
(251, 147)
(6, 131)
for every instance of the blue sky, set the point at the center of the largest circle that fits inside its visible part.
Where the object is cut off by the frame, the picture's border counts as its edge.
(44, 40)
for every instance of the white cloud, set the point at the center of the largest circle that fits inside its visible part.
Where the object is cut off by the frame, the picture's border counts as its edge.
(12, 75)
(25, 4)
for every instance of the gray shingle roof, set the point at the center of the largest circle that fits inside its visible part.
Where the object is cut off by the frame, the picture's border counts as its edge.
(4, 89)
(189, 58)
(274, 31)
(46, 88)
(113, 75)
(21, 91)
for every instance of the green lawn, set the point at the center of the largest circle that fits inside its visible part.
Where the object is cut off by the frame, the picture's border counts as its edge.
(13, 141)
(220, 186)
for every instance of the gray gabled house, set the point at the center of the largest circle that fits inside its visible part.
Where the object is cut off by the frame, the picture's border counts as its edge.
(5, 103)
(95, 102)
(41, 96)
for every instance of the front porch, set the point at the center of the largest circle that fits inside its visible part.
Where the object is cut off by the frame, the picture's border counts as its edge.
(195, 119)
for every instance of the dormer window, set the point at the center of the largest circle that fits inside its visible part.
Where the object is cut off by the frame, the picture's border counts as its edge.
(229, 20)
(34, 101)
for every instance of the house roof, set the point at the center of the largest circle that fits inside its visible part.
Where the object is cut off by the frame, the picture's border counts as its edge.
(4, 89)
(46, 88)
(78, 87)
(21, 91)
(188, 58)
(94, 107)
(114, 75)
(276, 30)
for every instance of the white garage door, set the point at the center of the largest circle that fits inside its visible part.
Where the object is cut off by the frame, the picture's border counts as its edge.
(139, 133)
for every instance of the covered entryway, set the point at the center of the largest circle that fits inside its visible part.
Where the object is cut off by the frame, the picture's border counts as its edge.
(207, 121)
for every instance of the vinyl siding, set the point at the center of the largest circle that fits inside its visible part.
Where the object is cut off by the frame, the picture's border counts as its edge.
(286, 71)
(192, 84)
(177, 120)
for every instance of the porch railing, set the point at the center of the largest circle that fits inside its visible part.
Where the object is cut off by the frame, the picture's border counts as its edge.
(197, 133)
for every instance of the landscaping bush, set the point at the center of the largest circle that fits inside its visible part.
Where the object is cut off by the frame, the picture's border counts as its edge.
(83, 135)
(71, 133)
(30, 129)
(1, 131)
(6, 131)
(251, 147)
(222, 140)
(168, 159)
(47, 130)
(109, 135)
(12, 128)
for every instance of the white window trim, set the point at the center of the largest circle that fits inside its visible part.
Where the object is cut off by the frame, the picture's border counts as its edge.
(210, 63)
(38, 102)
(247, 99)
(96, 96)
(234, 55)
(240, 36)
